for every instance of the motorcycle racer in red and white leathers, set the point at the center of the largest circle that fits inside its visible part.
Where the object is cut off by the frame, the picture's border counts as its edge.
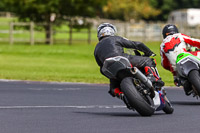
(173, 44)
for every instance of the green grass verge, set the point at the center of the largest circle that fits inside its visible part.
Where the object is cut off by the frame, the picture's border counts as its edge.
(49, 63)
(62, 63)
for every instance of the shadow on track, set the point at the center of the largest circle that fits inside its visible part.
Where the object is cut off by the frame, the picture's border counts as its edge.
(192, 103)
(123, 114)
(118, 114)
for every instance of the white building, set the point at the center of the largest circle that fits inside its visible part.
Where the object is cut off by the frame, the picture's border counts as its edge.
(190, 17)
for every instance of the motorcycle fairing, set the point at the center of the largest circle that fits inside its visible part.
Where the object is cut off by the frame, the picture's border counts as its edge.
(185, 63)
(113, 65)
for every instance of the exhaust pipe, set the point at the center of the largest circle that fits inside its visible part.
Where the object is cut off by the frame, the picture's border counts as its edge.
(138, 74)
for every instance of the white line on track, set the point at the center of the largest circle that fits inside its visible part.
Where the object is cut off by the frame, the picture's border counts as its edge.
(51, 82)
(80, 107)
(55, 89)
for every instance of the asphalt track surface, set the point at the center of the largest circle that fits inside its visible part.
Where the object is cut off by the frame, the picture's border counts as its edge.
(39, 107)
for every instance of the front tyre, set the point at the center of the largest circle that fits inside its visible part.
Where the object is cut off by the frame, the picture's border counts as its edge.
(168, 108)
(194, 79)
(143, 105)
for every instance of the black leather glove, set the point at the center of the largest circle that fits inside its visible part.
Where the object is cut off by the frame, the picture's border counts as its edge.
(150, 54)
(153, 55)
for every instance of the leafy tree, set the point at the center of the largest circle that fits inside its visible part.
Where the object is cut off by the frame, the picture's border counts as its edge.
(41, 10)
(188, 4)
(2, 6)
(146, 9)
(167, 6)
(129, 9)
(34, 10)
(85, 8)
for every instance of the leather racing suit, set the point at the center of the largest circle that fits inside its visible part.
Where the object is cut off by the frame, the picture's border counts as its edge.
(172, 46)
(111, 46)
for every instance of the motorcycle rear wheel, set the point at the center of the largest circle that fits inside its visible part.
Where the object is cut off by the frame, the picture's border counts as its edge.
(142, 104)
(194, 79)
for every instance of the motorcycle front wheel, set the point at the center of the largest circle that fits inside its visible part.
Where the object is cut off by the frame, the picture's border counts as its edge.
(194, 79)
(168, 108)
(142, 104)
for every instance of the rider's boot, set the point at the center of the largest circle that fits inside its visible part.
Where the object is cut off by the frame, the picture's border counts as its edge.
(187, 88)
(117, 92)
(153, 77)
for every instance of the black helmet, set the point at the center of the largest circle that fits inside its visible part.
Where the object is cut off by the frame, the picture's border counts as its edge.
(169, 29)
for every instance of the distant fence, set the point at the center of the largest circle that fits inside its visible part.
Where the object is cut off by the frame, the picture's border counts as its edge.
(6, 14)
(29, 33)
(147, 31)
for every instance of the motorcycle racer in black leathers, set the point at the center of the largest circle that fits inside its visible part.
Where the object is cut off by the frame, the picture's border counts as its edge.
(111, 45)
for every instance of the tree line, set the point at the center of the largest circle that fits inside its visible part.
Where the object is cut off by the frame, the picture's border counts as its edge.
(57, 11)
(40, 10)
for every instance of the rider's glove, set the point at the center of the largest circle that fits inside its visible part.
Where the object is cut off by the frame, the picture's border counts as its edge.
(153, 55)
(150, 54)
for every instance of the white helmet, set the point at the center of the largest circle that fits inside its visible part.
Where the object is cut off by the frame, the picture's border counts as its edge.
(106, 29)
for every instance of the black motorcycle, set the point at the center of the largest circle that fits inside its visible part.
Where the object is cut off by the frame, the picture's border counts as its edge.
(139, 92)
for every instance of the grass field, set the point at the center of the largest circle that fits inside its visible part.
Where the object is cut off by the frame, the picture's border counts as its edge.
(62, 63)
(49, 63)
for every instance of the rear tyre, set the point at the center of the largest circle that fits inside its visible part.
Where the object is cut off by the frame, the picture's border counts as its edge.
(168, 108)
(142, 104)
(194, 79)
